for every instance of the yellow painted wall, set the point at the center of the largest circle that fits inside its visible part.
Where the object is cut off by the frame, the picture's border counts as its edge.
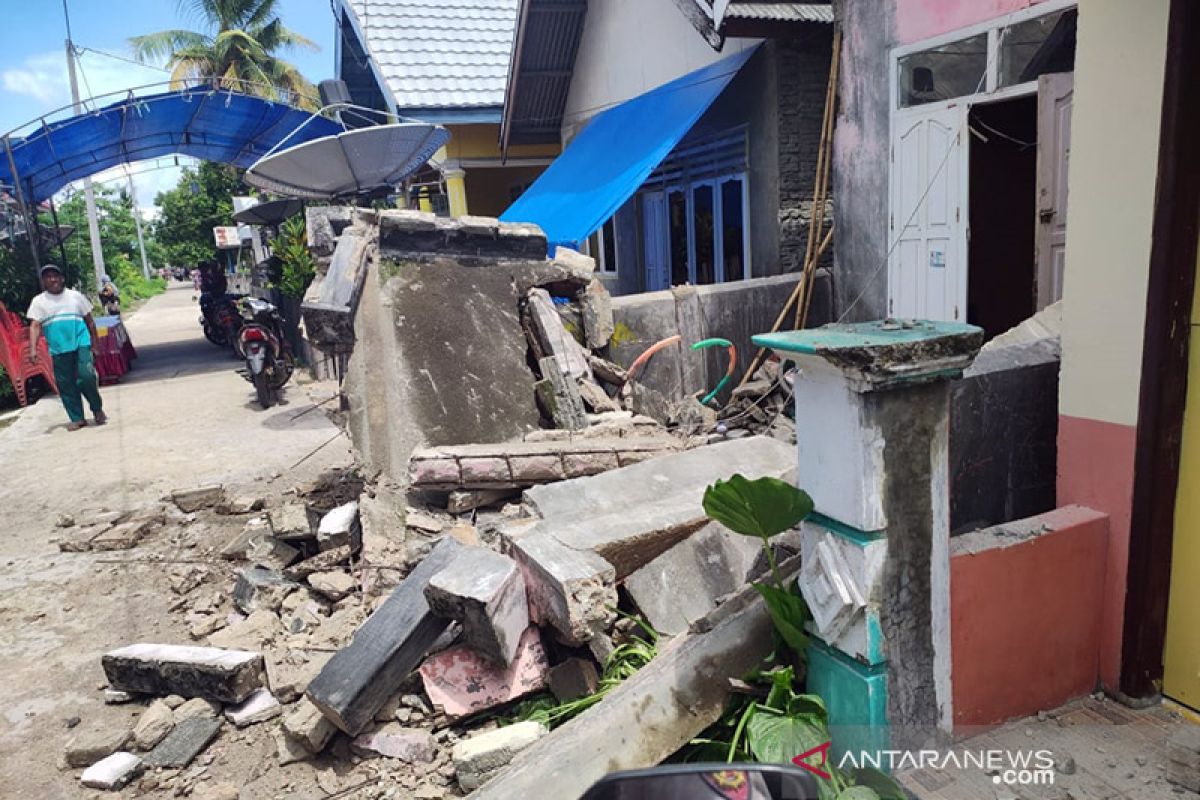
(483, 141)
(1119, 68)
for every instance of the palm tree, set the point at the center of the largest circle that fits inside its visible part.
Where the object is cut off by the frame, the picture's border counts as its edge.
(237, 52)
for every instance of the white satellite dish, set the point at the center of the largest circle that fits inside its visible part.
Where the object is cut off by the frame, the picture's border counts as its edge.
(361, 161)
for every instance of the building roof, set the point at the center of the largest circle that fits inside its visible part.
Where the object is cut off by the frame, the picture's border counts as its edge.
(440, 54)
(780, 12)
(717, 20)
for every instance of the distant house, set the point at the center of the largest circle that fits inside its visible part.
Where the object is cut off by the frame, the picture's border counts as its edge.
(443, 61)
(689, 149)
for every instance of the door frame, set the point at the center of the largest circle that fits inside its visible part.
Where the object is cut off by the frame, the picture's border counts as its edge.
(1164, 378)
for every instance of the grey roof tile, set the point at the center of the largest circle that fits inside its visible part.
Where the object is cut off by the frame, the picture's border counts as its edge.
(450, 54)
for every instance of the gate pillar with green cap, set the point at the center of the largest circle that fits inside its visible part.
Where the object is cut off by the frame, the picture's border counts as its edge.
(872, 419)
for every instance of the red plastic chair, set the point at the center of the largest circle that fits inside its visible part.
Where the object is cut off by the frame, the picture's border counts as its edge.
(14, 344)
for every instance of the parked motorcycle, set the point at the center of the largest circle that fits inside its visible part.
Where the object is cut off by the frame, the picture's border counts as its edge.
(220, 318)
(261, 341)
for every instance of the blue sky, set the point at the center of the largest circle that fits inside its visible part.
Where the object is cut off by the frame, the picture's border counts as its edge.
(33, 73)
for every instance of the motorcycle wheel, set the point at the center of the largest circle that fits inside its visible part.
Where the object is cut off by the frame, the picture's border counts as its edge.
(215, 335)
(282, 372)
(262, 388)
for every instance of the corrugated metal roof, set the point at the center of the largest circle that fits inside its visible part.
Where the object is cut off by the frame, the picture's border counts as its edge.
(781, 12)
(450, 54)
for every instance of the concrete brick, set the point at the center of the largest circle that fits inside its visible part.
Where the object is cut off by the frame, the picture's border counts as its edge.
(460, 682)
(261, 587)
(258, 707)
(235, 549)
(598, 325)
(113, 772)
(306, 725)
(226, 676)
(575, 262)
(265, 549)
(192, 500)
(335, 584)
(184, 743)
(486, 593)
(291, 521)
(120, 537)
(92, 744)
(411, 745)
(554, 338)
(536, 469)
(478, 758)
(567, 589)
(485, 470)
(197, 708)
(572, 679)
(584, 464)
(153, 725)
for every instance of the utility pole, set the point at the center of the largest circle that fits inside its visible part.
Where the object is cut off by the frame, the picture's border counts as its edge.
(137, 221)
(88, 194)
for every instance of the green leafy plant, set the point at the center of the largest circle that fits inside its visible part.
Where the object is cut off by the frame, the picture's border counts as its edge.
(299, 267)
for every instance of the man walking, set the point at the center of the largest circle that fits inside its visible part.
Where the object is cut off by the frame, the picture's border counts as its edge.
(65, 317)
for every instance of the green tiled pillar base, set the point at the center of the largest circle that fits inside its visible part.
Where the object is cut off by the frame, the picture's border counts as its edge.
(856, 696)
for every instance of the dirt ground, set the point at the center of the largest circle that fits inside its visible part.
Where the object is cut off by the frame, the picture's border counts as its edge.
(182, 418)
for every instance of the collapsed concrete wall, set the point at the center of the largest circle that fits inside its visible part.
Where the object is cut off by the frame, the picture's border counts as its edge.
(733, 311)
(440, 355)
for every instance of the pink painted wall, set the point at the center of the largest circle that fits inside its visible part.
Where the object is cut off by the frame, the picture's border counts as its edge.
(1095, 468)
(920, 19)
(1025, 623)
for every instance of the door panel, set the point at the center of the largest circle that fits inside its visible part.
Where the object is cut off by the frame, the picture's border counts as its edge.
(1181, 658)
(654, 223)
(1055, 97)
(927, 271)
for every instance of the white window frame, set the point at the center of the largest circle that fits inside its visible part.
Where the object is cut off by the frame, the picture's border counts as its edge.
(602, 266)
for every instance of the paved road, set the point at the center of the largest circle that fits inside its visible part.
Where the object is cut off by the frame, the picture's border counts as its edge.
(182, 418)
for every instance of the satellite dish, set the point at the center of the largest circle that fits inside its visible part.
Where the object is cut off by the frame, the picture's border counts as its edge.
(358, 162)
(270, 213)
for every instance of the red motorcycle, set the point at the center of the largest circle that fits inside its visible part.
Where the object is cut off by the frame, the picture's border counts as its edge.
(261, 341)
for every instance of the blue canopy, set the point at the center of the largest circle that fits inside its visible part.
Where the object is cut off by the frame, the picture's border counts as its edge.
(211, 124)
(607, 162)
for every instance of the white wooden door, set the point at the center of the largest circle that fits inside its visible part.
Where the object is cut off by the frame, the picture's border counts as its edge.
(656, 238)
(1055, 95)
(927, 272)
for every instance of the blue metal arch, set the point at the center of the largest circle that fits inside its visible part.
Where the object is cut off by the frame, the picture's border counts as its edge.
(206, 123)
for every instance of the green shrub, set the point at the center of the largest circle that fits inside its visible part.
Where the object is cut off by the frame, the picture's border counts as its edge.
(299, 268)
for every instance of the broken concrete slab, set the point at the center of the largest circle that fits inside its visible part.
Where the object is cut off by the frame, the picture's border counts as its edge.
(120, 537)
(192, 500)
(153, 725)
(598, 325)
(359, 679)
(421, 521)
(289, 680)
(480, 757)
(657, 710)
(559, 395)
(687, 581)
(290, 522)
(568, 589)
(329, 305)
(113, 772)
(341, 527)
(572, 679)
(94, 743)
(583, 267)
(515, 465)
(596, 398)
(265, 549)
(306, 725)
(242, 504)
(236, 547)
(226, 676)
(411, 745)
(554, 338)
(486, 593)
(197, 707)
(258, 707)
(321, 562)
(184, 743)
(460, 682)
(334, 584)
(261, 587)
(249, 634)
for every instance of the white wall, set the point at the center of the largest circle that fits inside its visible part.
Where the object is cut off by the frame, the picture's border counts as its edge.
(1119, 70)
(629, 47)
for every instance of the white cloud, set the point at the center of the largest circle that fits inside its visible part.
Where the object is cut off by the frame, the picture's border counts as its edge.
(42, 77)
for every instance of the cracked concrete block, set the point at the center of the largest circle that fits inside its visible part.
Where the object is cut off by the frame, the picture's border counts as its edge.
(113, 772)
(184, 743)
(486, 593)
(291, 521)
(225, 676)
(598, 324)
(191, 500)
(258, 707)
(306, 725)
(153, 725)
(93, 744)
(567, 589)
(479, 757)
(460, 682)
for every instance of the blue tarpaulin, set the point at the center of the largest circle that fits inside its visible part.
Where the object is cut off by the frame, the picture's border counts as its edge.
(607, 162)
(210, 124)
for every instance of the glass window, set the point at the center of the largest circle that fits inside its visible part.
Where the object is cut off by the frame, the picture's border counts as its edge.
(608, 250)
(940, 73)
(1037, 46)
(733, 229)
(703, 230)
(677, 219)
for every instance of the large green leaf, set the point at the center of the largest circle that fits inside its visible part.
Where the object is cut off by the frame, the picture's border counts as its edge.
(788, 613)
(776, 738)
(763, 507)
(884, 786)
(858, 793)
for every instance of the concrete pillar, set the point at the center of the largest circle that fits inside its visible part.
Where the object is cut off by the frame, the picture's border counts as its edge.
(456, 188)
(872, 419)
